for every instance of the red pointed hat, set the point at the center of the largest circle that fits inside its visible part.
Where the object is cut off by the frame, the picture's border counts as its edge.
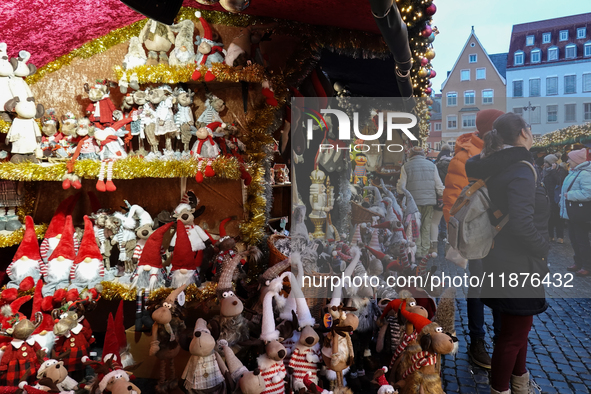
(198, 258)
(376, 253)
(37, 298)
(182, 256)
(120, 327)
(395, 305)
(111, 345)
(207, 35)
(58, 221)
(417, 320)
(65, 247)
(213, 126)
(151, 254)
(38, 306)
(29, 246)
(223, 227)
(88, 246)
(382, 225)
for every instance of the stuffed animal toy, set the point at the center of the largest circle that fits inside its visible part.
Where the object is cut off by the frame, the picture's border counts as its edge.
(241, 380)
(360, 171)
(198, 237)
(422, 375)
(100, 110)
(27, 260)
(165, 125)
(52, 142)
(86, 148)
(112, 378)
(225, 247)
(149, 118)
(112, 149)
(43, 334)
(142, 232)
(55, 371)
(19, 359)
(158, 39)
(379, 378)
(271, 363)
(183, 117)
(168, 323)
(367, 313)
(239, 52)
(184, 51)
(139, 121)
(184, 263)
(125, 238)
(105, 227)
(56, 271)
(208, 52)
(18, 86)
(204, 372)
(24, 133)
(135, 57)
(6, 73)
(205, 150)
(73, 337)
(87, 270)
(213, 107)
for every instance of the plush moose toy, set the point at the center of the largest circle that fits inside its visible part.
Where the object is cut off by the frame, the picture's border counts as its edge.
(205, 370)
(100, 111)
(168, 323)
(55, 371)
(112, 378)
(242, 381)
(184, 115)
(24, 133)
(6, 73)
(158, 39)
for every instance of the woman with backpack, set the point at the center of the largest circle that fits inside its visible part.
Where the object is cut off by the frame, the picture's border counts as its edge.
(521, 246)
(575, 205)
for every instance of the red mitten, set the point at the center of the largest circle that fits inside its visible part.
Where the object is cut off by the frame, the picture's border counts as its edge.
(72, 295)
(27, 284)
(9, 295)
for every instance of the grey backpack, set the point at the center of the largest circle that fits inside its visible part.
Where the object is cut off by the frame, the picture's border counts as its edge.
(470, 230)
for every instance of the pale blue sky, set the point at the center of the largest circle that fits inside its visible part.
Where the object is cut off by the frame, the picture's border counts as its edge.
(492, 20)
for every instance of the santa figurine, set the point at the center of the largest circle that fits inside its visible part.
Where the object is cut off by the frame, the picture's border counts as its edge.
(88, 269)
(57, 270)
(208, 51)
(27, 260)
(43, 334)
(53, 234)
(183, 260)
(197, 236)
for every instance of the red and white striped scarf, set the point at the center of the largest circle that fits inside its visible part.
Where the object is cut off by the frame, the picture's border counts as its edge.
(406, 339)
(419, 360)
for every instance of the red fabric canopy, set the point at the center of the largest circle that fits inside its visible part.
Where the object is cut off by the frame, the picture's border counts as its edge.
(52, 28)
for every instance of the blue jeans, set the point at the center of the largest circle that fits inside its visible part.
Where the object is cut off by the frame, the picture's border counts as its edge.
(476, 307)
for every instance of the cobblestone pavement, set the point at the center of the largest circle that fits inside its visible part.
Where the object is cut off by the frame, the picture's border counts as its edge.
(559, 354)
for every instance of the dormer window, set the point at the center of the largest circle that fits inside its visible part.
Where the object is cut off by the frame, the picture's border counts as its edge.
(552, 53)
(518, 58)
(588, 49)
(529, 40)
(571, 51)
(536, 56)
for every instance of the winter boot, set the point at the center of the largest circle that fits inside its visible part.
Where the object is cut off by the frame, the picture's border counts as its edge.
(493, 391)
(523, 385)
(478, 353)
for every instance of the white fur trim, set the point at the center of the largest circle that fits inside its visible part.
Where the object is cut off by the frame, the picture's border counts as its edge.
(288, 306)
(198, 14)
(386, 389)
(182, 206)
(268, 331)
(22, 384)
(84, 359)
(105, 380)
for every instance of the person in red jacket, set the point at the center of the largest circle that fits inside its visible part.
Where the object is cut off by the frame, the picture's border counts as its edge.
(468, 145)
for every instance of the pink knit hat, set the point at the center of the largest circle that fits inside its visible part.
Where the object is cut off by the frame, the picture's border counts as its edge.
(578, 156)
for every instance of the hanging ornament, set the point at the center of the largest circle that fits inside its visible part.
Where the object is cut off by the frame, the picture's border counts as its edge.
(428, 90)
(430, 54)
(424, 61)
(427, 31)
(422, 72)
(431, 38)
(431, 10)
(433, 74)
(429, 102)
(429, 84)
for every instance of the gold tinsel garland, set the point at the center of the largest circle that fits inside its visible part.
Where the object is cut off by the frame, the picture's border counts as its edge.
(566, 136)
(128, 168)
(16, 237)
(114, 290)
(29, 199)
(4, 126)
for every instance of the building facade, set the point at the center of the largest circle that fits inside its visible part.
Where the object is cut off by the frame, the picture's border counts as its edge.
(549, 72)
(474, 83)
(434, 140)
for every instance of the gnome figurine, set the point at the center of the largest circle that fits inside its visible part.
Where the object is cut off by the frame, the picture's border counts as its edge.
(27, 260)
(208, 51)
(57, 270)
(183, 260)
(56, 226)
(88, 269)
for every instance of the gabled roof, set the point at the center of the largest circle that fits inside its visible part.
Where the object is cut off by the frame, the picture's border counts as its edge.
(472, 34)
(500, 62)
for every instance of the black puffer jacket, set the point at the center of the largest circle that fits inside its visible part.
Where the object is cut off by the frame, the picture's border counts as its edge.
(522, 245)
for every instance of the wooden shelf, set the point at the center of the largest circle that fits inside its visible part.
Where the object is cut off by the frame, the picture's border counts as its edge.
(282, 185)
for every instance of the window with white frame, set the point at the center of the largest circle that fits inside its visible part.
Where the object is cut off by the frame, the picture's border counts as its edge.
(570, 52)
(587, 112)
(429, 145)
(518, 111)
(587, 83)
(529, 40)
(570, 84)
(487, 96)
(518, 88)
(551, 86)
(552, 113)
(481, 73)
(438, 145)
(452, 99)
(465, 75)
(587, 49)
(534, 87)
(546, 37)
(473, 58)
(438, 126)
(535, 115)
(563, 35)
(469, 97)
(581, 32)
(536, 56)
(570, 113)
(518, 58)
(468, 121)
(552, 53)
(452, 122)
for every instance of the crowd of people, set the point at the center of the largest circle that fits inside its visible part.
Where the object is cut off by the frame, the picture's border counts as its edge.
(538, 203)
